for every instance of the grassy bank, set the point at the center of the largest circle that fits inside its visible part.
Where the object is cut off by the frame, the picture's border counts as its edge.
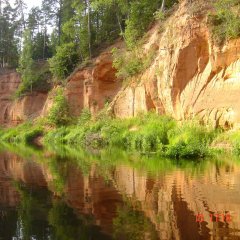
(145, 133)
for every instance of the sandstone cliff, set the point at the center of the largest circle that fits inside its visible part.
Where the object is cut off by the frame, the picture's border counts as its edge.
(9, 81)
(90, 87)
(190, 76)
(13, 111)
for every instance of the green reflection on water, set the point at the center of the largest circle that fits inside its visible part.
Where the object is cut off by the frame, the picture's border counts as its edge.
(49, 217)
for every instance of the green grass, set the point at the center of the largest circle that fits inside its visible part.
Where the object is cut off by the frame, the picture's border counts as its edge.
(24, 133)
(149, 133)
(145, 133)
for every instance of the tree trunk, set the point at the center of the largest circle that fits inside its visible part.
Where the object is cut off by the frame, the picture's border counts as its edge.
(89, 29)
(120, 27)
(0, 7)
(44, 41)
(163, 5)
(59, 21)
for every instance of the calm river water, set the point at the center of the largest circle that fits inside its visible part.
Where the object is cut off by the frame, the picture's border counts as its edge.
(69, 194)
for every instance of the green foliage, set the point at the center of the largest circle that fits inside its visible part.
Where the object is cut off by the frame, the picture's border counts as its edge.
(159, 15)
(40, 80)
(65, 60)
(189, 140)
(152, 133)
(9, 27)
(59, 113)
(24, 133)
(226, 20)
(41, 47)
(26, 65)
(131, 62)
(127, 64)
(34, 75)
(141, 15)
(232, 138)
(145, 133)
(85, 116)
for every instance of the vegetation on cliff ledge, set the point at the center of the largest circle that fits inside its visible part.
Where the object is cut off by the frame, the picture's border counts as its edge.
(145, 133)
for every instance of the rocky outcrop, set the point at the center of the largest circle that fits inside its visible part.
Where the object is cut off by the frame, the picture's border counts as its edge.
(27, 108)
(94, 85)
(9, 82)
(190, 76)
(90, 86)
(13, 111)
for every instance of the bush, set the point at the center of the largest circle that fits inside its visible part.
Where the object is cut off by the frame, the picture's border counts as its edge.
(40, 80)
(131, 62)
(226, 20)
(152, 133)
(24, 133)
(65, 60)
(85, 116)
(189, 140)
(59, 113)
(31, 135)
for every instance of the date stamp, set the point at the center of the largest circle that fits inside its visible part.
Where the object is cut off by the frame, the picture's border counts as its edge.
(214, 217)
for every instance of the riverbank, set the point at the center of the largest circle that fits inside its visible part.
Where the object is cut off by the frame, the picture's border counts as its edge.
(146, 134)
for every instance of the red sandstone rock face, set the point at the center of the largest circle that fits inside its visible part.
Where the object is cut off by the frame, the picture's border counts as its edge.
(16, 111)
(93, 86)
(189, 77)
(9, 81)
(29, 107)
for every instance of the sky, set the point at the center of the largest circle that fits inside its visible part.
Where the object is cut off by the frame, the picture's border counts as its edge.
(30, 3)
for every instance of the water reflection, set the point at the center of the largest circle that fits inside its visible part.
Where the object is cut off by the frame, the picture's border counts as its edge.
(69, 194)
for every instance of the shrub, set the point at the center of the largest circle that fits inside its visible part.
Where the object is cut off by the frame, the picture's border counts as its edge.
(85, 116)
(24, 133)
(65, 60)
(59, 113)
(32, 134)
(40, 80)
(189, 140)
(127, 63)
(226, 20)
(151, 134)
(234, 139)
(131, 62)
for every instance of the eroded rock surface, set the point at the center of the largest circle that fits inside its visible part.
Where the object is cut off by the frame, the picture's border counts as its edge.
(93, 86)
(190, 75)
(14, 111)
(9, 81)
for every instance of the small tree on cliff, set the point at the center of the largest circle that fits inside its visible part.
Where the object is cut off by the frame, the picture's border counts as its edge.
(26, 65)
(59, 113)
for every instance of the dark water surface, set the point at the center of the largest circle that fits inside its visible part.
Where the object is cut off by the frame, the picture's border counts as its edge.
(68, 194)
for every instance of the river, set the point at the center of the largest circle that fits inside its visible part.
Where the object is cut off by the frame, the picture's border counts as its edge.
(69, 194)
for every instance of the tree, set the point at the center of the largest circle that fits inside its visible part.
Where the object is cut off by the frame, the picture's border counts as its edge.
(65, 60)
(53, 9)
(8, 43)
(26, 64)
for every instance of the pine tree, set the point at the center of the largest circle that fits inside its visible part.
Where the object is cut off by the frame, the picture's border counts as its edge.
(26, 64)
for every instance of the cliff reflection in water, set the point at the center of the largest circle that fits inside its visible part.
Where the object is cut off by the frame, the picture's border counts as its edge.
(67, 194)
